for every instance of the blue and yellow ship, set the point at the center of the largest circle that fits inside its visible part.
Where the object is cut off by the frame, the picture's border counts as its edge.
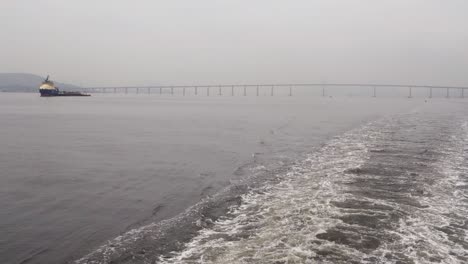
(48, 88)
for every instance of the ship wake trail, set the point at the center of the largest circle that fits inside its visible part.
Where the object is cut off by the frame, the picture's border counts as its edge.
(395, 190)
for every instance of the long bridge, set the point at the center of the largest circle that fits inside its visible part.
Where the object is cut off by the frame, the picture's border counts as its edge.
(272, 88)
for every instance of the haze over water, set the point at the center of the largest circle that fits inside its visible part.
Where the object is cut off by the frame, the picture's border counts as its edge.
(176, 42)
(77, 172)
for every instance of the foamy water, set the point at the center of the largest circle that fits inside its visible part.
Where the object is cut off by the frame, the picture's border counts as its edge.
(393, 191)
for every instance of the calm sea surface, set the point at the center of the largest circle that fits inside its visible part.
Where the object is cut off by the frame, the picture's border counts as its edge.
(172, 179)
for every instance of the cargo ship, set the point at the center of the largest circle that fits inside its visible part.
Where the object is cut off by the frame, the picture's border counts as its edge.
(48, 89)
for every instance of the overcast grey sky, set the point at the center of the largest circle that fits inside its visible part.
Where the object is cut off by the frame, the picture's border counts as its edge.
(124, 42)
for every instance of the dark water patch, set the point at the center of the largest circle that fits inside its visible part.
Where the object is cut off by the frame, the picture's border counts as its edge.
(398, 258)
(334, 256)
(157, 209)
(206, 191)
(371, 221)
(456, 234)
(362, 205)
(352, 238)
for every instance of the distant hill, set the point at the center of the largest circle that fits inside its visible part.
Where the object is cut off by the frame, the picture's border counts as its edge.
(25, 82)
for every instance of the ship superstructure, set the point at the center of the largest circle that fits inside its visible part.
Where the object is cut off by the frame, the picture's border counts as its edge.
(48, 88)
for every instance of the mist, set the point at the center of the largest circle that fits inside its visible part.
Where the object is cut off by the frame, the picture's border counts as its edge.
(105, 43)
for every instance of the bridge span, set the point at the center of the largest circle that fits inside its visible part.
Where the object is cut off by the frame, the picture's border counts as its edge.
(273, 89)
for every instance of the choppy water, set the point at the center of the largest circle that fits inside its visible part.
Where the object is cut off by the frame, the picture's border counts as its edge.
(281, 180)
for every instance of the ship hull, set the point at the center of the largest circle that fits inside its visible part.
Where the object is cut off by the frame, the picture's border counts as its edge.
(49, 92)
(52, 93)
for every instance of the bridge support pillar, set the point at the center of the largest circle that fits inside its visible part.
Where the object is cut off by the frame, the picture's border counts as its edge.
(375, 92)
(290, 90)
(219, 91)
(410, 92)
(272, 90)
(448, 93)
(245, 90)
(196, 90)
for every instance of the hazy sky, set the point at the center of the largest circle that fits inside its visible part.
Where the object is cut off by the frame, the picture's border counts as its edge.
(124, 42)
